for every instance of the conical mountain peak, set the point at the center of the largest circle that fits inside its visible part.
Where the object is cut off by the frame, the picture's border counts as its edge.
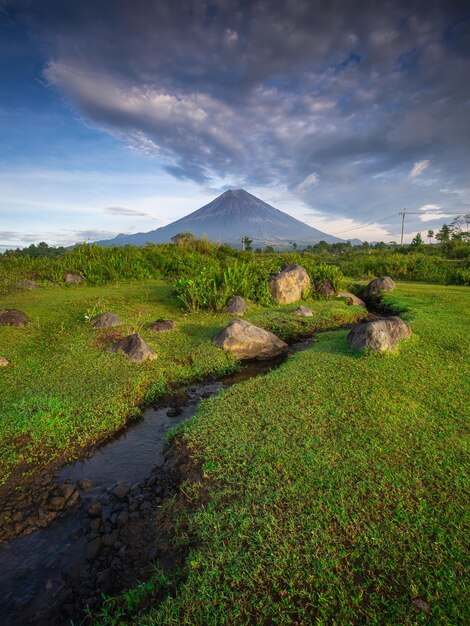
(229, 217)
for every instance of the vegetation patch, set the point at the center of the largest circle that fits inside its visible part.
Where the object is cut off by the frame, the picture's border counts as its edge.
(63, 390)
(336, 487)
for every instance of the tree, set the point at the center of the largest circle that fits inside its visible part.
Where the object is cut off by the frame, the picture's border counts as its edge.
(430, 235)
(246, 243)
(181, 239)
(443, 235)
(269, 249)
(417, 241)
(293, 244)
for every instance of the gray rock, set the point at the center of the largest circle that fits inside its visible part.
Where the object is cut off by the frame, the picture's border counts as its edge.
(380, 335)
(247, 341)
(350, 298)
(73, 279)
(4, 362)
(95, 524)
(287, 285)
(121, 490)
(303, 311)
(325, 288)
(135, 348)
(162, 326)
(236, 305)
(93, 548)
(13, 317)
(376, 286)
(106, 320)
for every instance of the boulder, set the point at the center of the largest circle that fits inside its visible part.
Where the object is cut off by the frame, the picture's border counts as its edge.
(325, 288)
(236, 305)
(135, 348)
(13, 317)
(106, 320)
(73, 279)
(4, 362)
(376, 286)
(303, 311)
(287, 285)
(380, 335)
(161, 326)
(351, 298)
(247, 342)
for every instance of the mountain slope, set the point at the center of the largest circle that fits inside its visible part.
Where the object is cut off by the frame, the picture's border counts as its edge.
(228, 218)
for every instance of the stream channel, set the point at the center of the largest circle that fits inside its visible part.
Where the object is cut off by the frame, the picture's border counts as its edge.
(108, 539)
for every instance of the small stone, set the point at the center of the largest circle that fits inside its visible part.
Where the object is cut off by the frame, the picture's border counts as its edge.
(13, 317)
(145, 506)
(17, 517)
(377, 286)
(421, 605)
(106, 320)
(121, 490)
(56, 503)
(93, 548)
(236, 305)
(135, 348)
(351, 299)
(174, 411)
(74, 498)
(95, 524)
(84, 484)
(66, 490)
(4, 362)
(95, 509)
(161, 326)
(303, 311)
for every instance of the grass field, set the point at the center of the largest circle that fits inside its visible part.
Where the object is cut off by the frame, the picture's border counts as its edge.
(63, 390)
(336, 487)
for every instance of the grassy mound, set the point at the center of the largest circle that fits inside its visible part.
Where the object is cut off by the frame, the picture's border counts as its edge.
(335, 488)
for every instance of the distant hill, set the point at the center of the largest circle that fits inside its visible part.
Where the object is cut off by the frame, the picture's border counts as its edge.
(228, 218)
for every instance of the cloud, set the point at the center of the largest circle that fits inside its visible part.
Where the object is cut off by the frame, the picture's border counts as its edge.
(276, 93)
(118, 210)
(418, 168)
(309, 181)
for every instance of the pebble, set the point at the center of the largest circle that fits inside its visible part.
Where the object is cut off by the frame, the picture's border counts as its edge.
(121, 490)
(95, 509)
(56, 503)
(85, 484)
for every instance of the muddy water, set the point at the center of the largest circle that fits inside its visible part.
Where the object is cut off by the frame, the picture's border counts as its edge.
(32, 567)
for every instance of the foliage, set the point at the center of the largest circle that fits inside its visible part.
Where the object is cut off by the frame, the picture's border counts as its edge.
(334, 490)
(64, 390)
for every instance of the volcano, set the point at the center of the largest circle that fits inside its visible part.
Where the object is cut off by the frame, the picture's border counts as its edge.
(231, 216)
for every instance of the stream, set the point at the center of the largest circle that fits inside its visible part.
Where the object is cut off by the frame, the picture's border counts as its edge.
(107, 539)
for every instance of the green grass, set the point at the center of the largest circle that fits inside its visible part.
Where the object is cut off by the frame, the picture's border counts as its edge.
(336, 487)
(63, 390)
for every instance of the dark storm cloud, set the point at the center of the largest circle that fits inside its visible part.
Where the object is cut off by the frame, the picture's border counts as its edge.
(339, 102)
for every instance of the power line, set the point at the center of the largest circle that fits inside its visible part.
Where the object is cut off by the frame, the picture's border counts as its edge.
(347, 230)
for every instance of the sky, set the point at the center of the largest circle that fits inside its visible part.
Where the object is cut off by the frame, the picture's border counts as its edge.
(121, 117)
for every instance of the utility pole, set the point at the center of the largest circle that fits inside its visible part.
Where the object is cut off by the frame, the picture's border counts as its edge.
(243, 243)
(402, 213)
